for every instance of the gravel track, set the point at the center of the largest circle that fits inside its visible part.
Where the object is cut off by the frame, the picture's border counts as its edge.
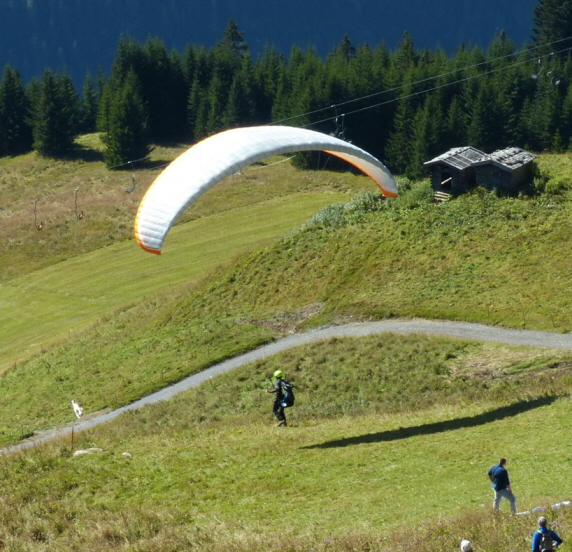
(461, 330)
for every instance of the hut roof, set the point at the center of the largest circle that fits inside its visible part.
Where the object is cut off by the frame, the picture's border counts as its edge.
(459, 158)
(508, 159)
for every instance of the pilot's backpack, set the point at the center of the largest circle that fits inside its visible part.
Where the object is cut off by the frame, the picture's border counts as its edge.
(288, 389)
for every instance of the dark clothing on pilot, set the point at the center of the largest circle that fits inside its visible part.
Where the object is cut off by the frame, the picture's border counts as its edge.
(278, 408)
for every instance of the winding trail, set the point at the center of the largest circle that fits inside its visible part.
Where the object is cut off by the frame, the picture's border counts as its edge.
(461, 330)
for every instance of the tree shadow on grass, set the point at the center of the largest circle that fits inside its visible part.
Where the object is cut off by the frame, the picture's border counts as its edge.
(89, 155)
(83, 153)
(439, 427)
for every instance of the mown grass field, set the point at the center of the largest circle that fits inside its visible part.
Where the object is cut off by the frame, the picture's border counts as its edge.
(61, 299)
(59, 280)
(64, 189)
(364, 457)
(391, 437)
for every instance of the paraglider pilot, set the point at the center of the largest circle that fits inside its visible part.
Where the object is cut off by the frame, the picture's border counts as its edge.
(284, 397)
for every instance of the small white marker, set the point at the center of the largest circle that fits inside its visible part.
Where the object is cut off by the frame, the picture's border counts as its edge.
(77, 409)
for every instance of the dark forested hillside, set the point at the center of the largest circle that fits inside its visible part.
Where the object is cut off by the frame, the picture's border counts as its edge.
(82, 35)
(404, 104)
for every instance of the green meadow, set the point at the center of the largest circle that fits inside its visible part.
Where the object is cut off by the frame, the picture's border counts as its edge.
(391, 436)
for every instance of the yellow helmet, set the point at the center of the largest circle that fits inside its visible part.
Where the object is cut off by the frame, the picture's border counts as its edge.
(278, 374)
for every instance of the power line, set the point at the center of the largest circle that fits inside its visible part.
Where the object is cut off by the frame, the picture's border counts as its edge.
(414, 83)
(425, 91)
(342, 115)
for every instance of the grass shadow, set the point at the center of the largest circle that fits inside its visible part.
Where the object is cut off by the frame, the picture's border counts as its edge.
(439, 427)
(90, 155)
(83, 153)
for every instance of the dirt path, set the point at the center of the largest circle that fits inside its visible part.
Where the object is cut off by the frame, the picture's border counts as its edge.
(462, 330)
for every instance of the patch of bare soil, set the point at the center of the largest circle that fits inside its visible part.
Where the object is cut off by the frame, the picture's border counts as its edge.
(286, 322)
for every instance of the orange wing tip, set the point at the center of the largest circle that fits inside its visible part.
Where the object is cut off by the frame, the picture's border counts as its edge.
(148, 249)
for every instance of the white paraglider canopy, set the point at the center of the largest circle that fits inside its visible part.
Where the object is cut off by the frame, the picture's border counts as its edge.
(208, 162)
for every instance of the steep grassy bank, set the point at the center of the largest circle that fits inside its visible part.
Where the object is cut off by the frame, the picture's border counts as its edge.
(479, 258)
(389, 433)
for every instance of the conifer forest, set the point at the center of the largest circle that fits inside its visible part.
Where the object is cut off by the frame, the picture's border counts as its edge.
(404, 105)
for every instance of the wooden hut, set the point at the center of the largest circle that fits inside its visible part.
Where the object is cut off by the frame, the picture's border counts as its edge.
(508, 170)
(461, 169)
(453, 172)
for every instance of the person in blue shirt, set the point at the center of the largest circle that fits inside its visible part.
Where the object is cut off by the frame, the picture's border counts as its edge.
(544, 539)
(498, 474)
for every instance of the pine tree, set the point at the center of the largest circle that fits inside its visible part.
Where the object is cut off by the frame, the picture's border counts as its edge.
(70, 107)
(398, 150)
(485, 130)
(552, 21)
(456, 134)
(566, 118)
(234, 40)
(542, 116)
(240, 108)
(405, 56)
(54, 117)
(88, 106)
(163, 90)
(104, 107)
(428, 133)
(178, 92)
(188, 63)
(214, 101)
(15, 131)
(127, 137)
(193, 106)
(281, 106)
(345, 49)
(500, 49)
(129, 57)
(419, 144)
(266, 77)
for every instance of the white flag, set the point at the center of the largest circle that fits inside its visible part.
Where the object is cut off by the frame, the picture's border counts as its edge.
(77, 409)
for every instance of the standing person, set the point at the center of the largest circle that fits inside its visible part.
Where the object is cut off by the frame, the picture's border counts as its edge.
(283, 397)
(544, 538)
(498, 474)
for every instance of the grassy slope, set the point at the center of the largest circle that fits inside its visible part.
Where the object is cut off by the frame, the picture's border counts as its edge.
(484, 259)
(45, 305)
(108, 210)
(50, 287)
(478, 258)
(364, 455)
(331, 475)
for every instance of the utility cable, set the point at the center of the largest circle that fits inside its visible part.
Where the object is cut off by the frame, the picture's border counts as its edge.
(446, 74)
(347, 102)
(427, 90)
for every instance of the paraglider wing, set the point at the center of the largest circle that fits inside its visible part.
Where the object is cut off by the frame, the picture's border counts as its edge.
(208, 162)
